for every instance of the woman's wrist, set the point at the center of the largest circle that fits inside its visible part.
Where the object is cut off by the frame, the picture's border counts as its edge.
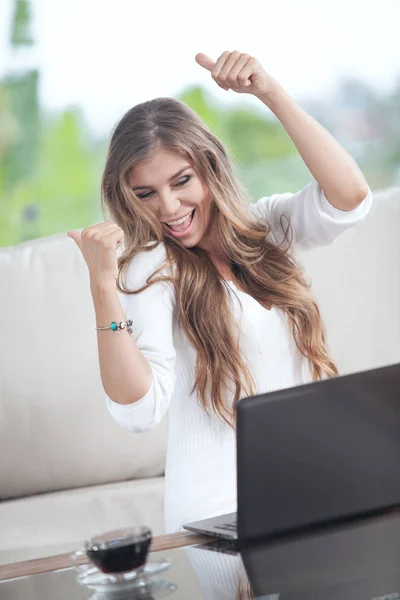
(107, 306)
(277, 99)
(103, 287)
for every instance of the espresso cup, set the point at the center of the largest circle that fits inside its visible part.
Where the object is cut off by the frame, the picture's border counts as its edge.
(117, 551)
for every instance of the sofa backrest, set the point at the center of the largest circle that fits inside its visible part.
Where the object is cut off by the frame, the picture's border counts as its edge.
(55, 430)
(356, 281)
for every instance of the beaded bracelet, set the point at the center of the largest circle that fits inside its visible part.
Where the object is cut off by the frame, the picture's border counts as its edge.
(118, 326)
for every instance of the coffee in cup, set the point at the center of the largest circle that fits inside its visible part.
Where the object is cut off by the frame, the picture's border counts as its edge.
(117, 551)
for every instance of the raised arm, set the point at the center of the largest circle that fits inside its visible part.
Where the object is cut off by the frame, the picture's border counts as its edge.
(336, 172)
(338, 175)
(137, 370)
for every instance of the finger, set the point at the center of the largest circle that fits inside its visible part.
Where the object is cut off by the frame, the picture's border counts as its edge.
(98, 230)
(204, 61)
(244, 77)
(112, 238)
(77, 237)
(219, 65)
(239, 74)
(80, 236)
(227, 68)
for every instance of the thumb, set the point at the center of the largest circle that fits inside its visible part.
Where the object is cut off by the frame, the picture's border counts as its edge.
(204, 61)
(76, 236)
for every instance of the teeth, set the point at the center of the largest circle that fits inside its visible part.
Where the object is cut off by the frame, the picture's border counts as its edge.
(180, 220)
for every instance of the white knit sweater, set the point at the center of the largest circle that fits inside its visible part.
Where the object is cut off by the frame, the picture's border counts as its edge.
(200, 476)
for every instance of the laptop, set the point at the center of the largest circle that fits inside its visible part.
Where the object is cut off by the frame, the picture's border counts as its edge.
(313, 454)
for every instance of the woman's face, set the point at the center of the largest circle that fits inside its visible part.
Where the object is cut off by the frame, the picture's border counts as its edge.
(172, 190)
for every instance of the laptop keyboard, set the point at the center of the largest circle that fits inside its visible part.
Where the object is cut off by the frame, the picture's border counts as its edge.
(232, 526)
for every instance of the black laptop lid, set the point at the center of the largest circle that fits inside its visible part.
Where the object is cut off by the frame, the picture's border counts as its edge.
(318, 452)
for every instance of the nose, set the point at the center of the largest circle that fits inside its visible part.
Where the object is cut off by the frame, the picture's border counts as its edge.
(169, 206)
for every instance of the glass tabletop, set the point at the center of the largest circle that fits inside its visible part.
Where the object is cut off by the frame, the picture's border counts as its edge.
(355, 561)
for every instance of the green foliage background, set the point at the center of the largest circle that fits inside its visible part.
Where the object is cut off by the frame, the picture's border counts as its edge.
(50, 165)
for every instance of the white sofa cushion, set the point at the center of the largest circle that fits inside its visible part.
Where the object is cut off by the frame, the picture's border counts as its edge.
(47, 524)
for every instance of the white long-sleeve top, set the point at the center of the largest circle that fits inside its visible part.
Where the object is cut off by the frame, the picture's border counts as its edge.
(200, 473)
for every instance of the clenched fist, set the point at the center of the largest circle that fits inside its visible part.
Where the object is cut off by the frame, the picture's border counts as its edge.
(98, 244)
(239, 72)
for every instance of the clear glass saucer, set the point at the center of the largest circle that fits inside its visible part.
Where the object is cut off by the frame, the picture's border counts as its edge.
(149, 590)
(95, 579)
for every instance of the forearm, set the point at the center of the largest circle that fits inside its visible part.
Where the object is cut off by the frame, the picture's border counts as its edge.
(125, 373)
(332, 167)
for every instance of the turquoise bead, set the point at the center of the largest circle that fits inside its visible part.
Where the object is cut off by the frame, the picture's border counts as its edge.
(113, 325)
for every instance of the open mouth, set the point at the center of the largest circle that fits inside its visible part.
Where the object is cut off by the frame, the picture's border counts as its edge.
(184, 224)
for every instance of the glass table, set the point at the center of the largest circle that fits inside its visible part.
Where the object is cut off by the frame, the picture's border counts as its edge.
(359, 560)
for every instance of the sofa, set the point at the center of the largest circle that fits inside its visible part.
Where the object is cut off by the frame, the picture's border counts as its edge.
(67, 470)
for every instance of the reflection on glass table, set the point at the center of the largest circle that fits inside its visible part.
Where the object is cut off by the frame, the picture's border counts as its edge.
(353, 561)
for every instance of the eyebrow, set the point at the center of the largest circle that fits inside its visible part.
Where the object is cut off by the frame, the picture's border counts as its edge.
(144, 187)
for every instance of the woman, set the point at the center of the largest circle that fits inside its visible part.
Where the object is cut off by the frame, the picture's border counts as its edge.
(219, 305)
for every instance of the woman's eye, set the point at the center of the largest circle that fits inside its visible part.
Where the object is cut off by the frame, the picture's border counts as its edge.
(180, 183)
(144, 196)
(184, 180)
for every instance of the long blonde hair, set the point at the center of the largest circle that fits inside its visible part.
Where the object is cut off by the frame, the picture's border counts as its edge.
(269, 273)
